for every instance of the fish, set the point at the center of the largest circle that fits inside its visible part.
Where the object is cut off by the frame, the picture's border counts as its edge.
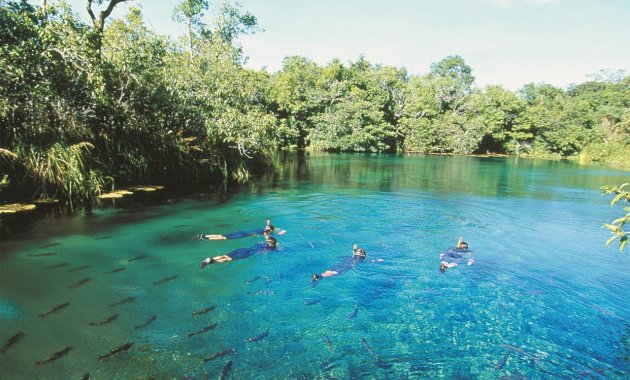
(182, 225)
(80, 282)
(79, 268)
(368, 348)
(219, 354)
(204, 310)
(311, 244)
(263, 292)
(41, 254)
(328, 343)
(86, 376)
(50, 245)
(57, 266)
(165, 279)
(227, 368)
(354, 312)
(55, 356)
(103, 237)
(258, 278)
(520, 351)
(258, 337)
(207, 328)
(114, 271)
(54, 310)
(123, 301)
(145, 323)
(105, 321)
(12, 341)
(503, 360)
(116, 350)
(137, 258)
(312, 302)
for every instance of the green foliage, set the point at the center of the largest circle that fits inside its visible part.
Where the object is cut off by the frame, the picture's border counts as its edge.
(154, 109)
(616, 226)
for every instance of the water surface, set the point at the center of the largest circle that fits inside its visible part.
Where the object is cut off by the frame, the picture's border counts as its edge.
(544, 298)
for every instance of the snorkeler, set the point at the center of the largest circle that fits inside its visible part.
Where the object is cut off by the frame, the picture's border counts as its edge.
(461, 244)
(359, 252)
(270, 244)
(269, 228)
(455, 256)
(358, 255)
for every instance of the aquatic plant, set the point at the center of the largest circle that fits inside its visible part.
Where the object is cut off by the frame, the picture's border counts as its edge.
(616, 226)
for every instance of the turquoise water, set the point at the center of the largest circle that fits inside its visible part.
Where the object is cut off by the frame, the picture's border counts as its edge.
(544, 299)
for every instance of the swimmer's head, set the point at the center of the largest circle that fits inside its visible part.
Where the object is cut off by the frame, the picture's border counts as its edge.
(315, 277)
(443, 267)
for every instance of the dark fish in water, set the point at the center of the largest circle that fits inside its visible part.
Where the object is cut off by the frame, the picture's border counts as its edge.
(57, 266)
(204, 310)
(116, 350)
(312, 302)
(503, 360)
(105, 321)
(520, 351)
(222, 225)
(13, 340)
(79, 268)
(383, 364)
(80, 282)
(114, 271)
(268, 279)
(328, 343)
(145, 323)
(182, 225)
(227, 368)
(258, 337)
(203, 330)
(55, 356)
(165, 279)
(368, 348)
(103, 237)
(263, 292)
(219, 354)
(123, 301)
(137, 258)
(54, 309)
(50, 245)
(354, 312)
(41, 254)
(86, 376)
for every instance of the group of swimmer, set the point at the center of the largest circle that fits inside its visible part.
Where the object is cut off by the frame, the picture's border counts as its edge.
(270, 244)
(453, 257)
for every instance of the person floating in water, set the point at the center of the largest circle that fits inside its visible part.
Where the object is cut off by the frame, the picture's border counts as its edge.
(455, 256)
(461, 244)
(269, 228)
(358, 252)
(270, 244)
(358, 255)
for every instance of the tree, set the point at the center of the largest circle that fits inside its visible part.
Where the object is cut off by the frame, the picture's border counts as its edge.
(191, 12)
(99, 22)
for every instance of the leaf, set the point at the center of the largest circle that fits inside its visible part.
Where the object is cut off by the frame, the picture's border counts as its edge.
(611, 240)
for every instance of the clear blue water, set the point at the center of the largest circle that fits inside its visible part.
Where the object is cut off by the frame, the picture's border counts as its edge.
(544, 299)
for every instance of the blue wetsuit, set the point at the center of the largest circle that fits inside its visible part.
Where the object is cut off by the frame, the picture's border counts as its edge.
(242, 234)
(456, 255)
(243, 253)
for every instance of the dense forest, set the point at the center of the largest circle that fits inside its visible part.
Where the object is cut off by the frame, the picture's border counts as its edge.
(86, 107)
